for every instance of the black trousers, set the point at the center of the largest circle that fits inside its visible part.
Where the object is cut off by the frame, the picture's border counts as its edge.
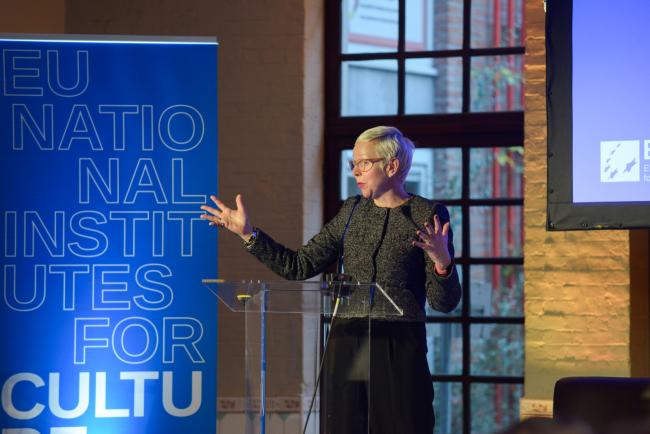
(376, 379)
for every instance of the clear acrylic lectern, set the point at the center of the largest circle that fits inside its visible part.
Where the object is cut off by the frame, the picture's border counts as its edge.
(285, 323)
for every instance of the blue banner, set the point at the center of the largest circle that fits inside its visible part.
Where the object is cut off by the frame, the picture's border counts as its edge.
(107, 149)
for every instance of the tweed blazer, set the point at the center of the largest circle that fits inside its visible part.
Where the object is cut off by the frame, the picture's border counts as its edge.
(374, 244)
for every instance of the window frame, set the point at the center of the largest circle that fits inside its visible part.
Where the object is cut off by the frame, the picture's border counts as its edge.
(465, 130)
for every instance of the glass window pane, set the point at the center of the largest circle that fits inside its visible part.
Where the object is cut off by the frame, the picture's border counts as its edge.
(496, 173)
(348, 183)
(495, 407)
(497, 290)
(369, 27)
(496, 83)
(434, 85)
(438, 173)
(434, 25)
(445, 348)
(497, 349)
(435, 173)
(369, 87)
(457, 311)
(496, 231)
(456, 217)
(497, 23)
(448, 407)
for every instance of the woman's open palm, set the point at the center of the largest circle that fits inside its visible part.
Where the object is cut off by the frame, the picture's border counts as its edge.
(434, 241)
(235, 220)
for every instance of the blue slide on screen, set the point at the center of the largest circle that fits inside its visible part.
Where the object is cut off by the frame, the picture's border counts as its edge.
(611, 91)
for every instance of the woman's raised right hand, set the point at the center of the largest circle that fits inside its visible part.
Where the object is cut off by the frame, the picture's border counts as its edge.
(235, 220)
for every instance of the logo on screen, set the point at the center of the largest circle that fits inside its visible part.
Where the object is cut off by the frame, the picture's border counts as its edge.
(619, 161)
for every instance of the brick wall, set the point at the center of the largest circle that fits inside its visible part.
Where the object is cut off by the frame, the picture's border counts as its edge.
(577, 284)
(32, 16)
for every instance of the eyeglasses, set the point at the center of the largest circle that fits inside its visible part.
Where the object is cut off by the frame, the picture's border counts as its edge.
(363, 165)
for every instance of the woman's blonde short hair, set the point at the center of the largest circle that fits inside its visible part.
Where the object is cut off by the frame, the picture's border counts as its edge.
(391, 143)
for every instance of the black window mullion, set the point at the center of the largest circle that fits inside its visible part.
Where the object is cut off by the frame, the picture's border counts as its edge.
(514, 260)
(483, 202)
(472, 52)
(467, 21)
(333, 46)
(433, 319)
(401, 35)
(467, 349)
(401, 84)
(401, 67)
(478, 379)
(466, 325)
(466, 83)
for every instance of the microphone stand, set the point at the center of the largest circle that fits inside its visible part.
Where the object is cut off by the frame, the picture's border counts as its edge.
(338, 280)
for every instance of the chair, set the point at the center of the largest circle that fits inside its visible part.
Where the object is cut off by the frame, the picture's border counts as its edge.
(601, 402)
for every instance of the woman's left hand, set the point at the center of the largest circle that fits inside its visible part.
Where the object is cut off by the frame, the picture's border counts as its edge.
(433, 240)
